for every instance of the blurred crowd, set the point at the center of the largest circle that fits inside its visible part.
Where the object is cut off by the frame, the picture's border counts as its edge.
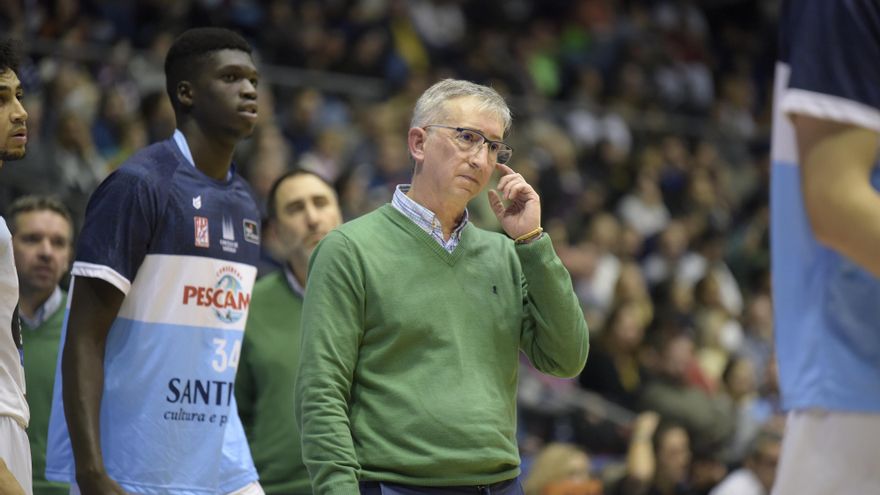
(643, 125)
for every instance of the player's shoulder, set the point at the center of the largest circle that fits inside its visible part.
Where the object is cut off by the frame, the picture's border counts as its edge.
(152, 166)
(840, 32)
(243, 189)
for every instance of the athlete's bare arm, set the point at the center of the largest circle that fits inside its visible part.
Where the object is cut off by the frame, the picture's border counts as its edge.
(94, 305)
(842, 206)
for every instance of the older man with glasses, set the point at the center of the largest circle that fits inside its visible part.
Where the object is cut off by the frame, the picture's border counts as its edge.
(414, 318)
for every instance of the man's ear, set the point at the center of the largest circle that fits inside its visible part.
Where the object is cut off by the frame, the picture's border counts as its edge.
(416, 139)
(184, 94)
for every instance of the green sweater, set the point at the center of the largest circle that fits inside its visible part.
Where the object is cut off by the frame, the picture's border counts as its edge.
(264, 386)
(410, 354)
(40, 359)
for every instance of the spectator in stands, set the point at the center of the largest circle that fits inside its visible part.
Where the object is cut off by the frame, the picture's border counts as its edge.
(77, 163)
(719, 334)
(754, 409)
(758, 473)
(632, 288)
(643, 208)
(614, 369)
(710, 420)
(658, 461)
(597, 291)
(561, 468)
(758, 331)
(672, 248)
(267, 160)
(708, 258)
(327, 158)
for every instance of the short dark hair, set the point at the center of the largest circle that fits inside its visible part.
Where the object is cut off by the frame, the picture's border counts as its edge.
(26, 204)
(189, 51)
(272, 204)
(9, 55)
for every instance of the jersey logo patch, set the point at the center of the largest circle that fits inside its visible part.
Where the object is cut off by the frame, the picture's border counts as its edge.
(197, 202)
(228, 242)
(251, 232)
(227, 299)
(201, 228)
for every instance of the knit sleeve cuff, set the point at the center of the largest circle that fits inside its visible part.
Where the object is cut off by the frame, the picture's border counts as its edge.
(539, 250)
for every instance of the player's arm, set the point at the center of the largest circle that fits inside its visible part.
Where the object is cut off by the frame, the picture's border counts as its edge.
(94, 305)
(842, 205)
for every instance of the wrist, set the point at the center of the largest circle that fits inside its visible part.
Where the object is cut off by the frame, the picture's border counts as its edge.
(90, 473)
(529, 236)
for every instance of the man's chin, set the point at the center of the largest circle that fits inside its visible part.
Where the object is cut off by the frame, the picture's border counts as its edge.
(39, 285)
(247, 130)
(8, 155)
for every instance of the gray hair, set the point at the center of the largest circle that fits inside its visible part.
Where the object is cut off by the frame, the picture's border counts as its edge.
(431, 109)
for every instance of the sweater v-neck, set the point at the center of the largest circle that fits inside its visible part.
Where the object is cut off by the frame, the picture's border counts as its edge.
(418, 233)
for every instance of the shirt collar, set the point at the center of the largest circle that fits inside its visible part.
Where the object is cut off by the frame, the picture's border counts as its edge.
(294, 284)
(180, 140)
(423, 217)
(45, 310)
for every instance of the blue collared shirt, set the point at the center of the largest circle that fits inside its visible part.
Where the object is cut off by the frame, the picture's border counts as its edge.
(45, 310)
(426, 219)
(294, 284)
(180, 140)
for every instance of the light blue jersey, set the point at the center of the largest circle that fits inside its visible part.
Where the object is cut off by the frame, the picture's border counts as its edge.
(183, 248)
(827, 309)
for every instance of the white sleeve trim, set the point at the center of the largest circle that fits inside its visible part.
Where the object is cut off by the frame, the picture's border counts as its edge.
(830, 107)
(105, 273)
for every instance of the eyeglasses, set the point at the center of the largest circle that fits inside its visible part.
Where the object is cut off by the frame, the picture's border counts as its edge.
(470, 140)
